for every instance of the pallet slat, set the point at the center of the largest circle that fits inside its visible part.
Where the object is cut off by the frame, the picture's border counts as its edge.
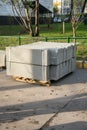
(32, 81)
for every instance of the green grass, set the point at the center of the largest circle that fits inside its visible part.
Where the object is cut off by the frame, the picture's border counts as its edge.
(54, 31)
(9, 30)
(82, 51)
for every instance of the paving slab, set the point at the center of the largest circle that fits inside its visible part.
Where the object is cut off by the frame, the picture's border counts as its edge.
(63, 106)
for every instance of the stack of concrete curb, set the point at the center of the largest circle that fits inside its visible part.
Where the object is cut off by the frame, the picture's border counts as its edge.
(2, 58)
(41, 61)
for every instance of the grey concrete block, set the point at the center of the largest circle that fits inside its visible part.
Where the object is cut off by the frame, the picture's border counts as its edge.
(63, 69)
(56, 56)
(54, 72)
(28, 71)
(69, 65)
(69, 52)
(27, 56)
(64, 54)
(2, 58)
(41, 60)
(73, 60)
(58, 52)
(74, 51)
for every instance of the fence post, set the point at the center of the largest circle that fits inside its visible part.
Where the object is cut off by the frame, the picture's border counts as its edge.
(19, 40)
(46, 39)
(68, 39)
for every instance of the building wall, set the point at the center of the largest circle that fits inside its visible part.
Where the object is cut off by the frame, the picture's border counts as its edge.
(6, 9)
(64, 6)
(47, 4)
(7, 15)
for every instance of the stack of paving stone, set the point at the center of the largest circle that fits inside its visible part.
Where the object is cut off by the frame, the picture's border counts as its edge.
(43, 61)
(2, 58)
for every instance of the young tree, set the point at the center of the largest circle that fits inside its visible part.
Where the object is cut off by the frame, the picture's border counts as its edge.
(24, 10)
(37, 18)
(75, 13)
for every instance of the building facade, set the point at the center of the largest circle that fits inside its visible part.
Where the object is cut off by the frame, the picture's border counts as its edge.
(6, 12)
(6, 9)
(62, 5)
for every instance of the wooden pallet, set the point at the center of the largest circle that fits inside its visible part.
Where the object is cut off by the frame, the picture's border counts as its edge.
(32, 81)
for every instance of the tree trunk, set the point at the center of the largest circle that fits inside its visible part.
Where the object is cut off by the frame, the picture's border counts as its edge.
(74, 33)
(37, 18)
(71, 11)
(28, 22)
(73, 21)
(84, 4)
(31, 31)
(63, 27)
(83, 8)
(48, 21)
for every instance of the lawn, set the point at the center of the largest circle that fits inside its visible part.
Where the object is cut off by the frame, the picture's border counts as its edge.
(9, 36)
(55, 30)
(82, 51)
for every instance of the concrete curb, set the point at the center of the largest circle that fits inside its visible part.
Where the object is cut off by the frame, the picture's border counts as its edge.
(81, 64)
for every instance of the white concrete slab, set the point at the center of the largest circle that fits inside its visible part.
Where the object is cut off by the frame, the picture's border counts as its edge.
(28, 71)
(41, 60)
(2, 58)
(27, 56)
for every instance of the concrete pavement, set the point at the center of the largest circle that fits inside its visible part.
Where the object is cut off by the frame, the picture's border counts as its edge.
(63, 106)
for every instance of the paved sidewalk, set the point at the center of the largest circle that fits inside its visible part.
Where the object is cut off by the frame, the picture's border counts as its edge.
(63, 106)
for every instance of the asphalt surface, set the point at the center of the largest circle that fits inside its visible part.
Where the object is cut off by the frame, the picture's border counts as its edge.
(63, 106)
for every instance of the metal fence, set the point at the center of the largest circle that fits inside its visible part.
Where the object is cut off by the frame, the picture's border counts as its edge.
(65, 38)
(20, 40)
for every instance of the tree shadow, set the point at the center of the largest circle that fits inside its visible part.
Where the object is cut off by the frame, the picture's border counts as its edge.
(79, 76)
(15, 87)
(80, 125)
(20, 111)
(11, 113)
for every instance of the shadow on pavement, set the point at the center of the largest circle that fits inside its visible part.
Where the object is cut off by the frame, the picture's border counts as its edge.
(17, 112)
(79, 76)
(81, 125)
